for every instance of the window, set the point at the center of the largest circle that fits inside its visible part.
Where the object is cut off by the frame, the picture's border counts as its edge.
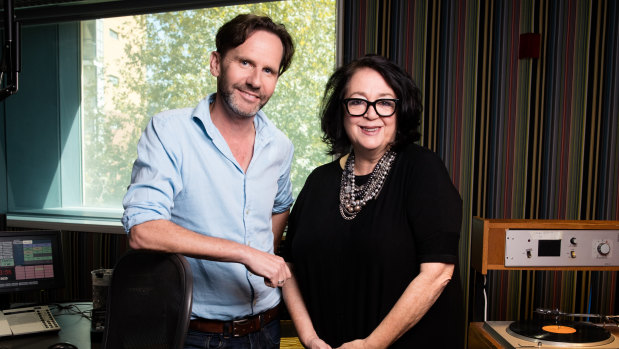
(156, 62)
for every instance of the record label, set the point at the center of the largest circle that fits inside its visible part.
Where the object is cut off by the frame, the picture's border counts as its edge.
(559, 329)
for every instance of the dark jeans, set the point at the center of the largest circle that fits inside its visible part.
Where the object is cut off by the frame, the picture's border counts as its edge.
(267, 338)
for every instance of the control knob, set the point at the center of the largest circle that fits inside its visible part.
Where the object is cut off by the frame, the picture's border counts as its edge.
(604, 248)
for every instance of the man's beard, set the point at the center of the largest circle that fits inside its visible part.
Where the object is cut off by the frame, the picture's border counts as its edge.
(229, 98)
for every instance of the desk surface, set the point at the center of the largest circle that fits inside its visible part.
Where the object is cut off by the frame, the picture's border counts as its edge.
(75, 329)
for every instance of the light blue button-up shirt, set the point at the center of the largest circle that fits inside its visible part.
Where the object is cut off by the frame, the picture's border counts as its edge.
(186, 173)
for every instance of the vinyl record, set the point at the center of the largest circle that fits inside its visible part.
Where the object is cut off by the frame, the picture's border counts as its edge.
(560, 332)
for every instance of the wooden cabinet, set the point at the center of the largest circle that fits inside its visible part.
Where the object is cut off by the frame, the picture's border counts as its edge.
(488, 240)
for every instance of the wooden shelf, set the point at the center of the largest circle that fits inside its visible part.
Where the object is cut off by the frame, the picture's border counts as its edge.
(488, 240)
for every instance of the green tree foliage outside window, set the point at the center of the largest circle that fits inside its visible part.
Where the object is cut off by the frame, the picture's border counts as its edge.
(164, 64)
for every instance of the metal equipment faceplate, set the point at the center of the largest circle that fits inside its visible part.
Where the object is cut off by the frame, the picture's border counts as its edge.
(552, 248)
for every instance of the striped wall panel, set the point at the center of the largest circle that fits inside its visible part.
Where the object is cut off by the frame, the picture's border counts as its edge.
(84, 252)
(533, 138)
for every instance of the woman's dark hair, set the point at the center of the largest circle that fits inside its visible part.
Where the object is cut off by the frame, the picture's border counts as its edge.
(237, 30)
(408, 110)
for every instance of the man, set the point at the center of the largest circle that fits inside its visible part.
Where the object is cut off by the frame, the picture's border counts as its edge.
(213, 183)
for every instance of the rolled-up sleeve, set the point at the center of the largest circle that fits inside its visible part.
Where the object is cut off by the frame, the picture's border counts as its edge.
(155, 178)
(284, 199)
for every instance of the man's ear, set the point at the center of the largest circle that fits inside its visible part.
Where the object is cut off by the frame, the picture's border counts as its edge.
(215, 63)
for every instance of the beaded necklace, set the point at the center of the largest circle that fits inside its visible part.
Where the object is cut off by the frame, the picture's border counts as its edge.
(352, 197)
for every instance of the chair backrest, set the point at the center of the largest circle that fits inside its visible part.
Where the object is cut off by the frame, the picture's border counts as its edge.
(149, 301)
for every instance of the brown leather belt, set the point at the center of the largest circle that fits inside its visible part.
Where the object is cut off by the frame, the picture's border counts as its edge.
(235, 328)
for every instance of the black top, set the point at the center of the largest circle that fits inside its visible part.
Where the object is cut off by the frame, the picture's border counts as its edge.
(352, 272)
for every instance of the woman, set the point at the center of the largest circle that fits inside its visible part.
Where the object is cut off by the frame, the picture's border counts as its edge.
(373, 236)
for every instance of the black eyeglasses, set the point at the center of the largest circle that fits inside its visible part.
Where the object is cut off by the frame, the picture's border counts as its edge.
(358, 106)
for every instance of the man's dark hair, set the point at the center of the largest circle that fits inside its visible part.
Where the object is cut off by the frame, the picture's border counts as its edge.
(237, 30)
(408, 110)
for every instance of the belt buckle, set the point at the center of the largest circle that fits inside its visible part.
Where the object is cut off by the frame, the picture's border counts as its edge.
(238, 331)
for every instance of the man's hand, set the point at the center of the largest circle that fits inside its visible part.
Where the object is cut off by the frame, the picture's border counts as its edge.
(271, 267)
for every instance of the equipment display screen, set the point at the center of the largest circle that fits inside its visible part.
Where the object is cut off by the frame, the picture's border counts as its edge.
(549, 248)
(30, 260)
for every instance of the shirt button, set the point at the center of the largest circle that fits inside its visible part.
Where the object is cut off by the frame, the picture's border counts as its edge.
(246, 211)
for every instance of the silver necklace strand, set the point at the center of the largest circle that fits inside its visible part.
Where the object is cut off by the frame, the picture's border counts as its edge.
(352, 197)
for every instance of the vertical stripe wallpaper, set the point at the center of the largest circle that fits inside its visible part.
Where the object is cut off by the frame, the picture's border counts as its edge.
(532, 138)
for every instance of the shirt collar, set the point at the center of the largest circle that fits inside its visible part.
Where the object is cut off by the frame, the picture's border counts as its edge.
(203, 113)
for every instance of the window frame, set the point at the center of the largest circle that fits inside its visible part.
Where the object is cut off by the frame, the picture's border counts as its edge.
(64, 210)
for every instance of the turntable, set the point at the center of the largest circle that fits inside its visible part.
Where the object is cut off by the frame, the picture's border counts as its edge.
(553, 333)
(553, 330)
(543, 245)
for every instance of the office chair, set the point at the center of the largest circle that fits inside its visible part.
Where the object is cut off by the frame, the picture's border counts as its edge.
(149, 301)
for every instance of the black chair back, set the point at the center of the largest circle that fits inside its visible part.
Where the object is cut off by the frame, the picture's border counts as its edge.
(149, 301)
